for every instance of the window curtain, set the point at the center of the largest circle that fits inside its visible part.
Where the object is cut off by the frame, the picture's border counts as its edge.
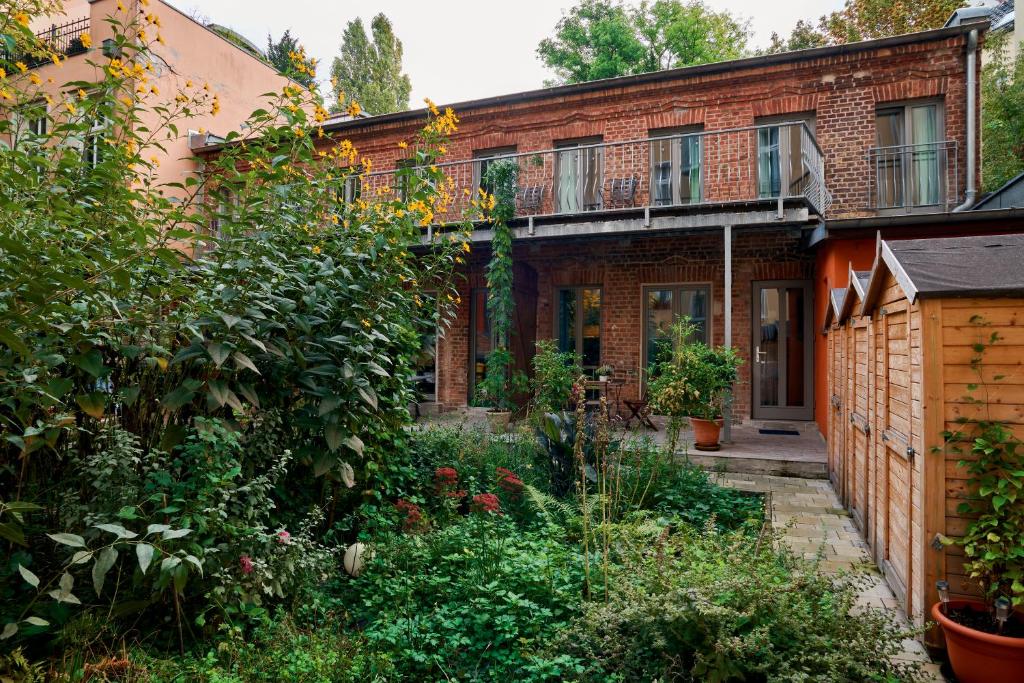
(568, 201)
(769, 179)
(924, 122)
(691, 158)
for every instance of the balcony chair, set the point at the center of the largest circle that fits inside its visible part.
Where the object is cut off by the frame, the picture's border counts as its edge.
(623, 191)
(530, 198)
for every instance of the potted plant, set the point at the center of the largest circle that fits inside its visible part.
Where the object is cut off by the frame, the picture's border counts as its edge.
(692, 380)
(604, 372)
(496, 390)
(985, 638)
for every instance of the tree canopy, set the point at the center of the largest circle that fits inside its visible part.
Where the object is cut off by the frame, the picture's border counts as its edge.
(866, 20)
(283, 53)
(370, 71)
(605, 38)
(1002, 118)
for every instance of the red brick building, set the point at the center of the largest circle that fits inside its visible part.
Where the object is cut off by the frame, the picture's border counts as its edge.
(710, 191)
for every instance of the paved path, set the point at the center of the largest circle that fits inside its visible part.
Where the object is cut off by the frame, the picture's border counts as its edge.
(810, 517)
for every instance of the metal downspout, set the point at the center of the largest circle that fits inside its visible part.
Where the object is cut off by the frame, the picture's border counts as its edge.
(972, 124)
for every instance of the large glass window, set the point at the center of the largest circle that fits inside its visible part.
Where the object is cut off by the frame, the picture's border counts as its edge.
(780, 155)
(425, 361)
(908, 156)
(663, 306)
(481, 339)
(579, 324)
(676, 167)
(579, 176)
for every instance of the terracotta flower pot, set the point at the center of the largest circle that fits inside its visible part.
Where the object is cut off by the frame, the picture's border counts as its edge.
(498, 420)
(978, 657)
(705, 433)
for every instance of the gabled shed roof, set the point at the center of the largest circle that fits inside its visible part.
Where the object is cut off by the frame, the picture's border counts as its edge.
(986, 266)
(854, 293)
(836, 296)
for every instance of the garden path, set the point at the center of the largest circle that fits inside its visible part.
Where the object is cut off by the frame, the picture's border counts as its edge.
(811, 519)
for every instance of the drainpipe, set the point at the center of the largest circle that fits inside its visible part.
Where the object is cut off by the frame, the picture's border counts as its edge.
(972, 56)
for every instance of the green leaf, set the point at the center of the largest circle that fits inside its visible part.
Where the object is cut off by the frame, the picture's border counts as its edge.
(218, 352)
(322, 464)
(31, 578)
(91, 361)
(13, 342)
(179, 397)
(92, 404)
(71, 540)
(230, 320)
(243, 361)
(355, 443)
(117, 530)
(37, 621)
(103, 563)
(9, 630)
(172, 534)
(334, 437)
(12, 533)
(157, 528)
(144, 552)
(369, 396)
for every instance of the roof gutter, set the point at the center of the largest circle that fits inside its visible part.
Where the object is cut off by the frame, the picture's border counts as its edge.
(972, 124)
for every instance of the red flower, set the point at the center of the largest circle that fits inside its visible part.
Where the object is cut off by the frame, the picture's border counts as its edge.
(509, 482)
(412, 512)
(283, 537)
(486, 502)
(246, 563)
(445, 477)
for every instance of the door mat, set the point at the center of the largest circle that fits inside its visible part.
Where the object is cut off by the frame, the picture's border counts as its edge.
(781, 432)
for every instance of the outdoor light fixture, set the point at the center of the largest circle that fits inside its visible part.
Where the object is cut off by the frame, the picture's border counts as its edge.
(1002, 611)
(943, 587)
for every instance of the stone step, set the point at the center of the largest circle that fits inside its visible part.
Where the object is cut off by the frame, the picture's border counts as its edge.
(769, 466)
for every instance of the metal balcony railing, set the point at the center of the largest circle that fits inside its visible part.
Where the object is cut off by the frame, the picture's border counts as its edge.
(62, 39)
(913, 177)
(779, 161)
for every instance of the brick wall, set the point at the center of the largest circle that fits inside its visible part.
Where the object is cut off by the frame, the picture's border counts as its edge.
(842, 92)
(622, 267)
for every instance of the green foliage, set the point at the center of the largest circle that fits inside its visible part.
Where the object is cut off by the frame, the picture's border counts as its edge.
(994, 458)
(701, 605)
(692, 379)
(284, 53)
(554, 373)
(606, 38)
(1002, 115)
(370, 72)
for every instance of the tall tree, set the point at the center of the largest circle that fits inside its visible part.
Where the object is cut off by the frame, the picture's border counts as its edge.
(286, 54)
(1002, 116)
(370, 72)
(605, 38)
(865, 20)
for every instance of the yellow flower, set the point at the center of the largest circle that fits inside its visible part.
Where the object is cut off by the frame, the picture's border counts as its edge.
(3, 74)
(316, 249)
(127, 101)
(21, 18)
(354, 109)
(160, 39)
(465, 247)
(153, 89)
(85, 39)
(154, 160)
(403, 145)
(5, 94)
(35, 79)
(120, 6)
(82, 94)
(431, 106)
(215, 107)
(21, 66)
(71, 108)
(442, 150)
(367, 324)
(55, 58)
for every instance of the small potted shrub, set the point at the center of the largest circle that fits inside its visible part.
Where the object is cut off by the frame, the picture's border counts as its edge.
(604, 372)
(691, 381)
(497, 389)
(985, 638)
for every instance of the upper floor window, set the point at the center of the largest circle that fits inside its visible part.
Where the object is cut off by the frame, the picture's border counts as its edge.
(482, 160)
(352, 188)
(403, 177)
(781, 153)
(29, 122)
(676, 160)
(579, 175)
(909, 159)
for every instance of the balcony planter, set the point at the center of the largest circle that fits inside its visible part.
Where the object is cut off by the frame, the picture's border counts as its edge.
(976, 656)
(706, 433)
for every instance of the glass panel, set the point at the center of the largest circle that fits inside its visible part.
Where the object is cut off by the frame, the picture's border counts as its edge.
(925, 162)
(425, 361)
(689, 185)
(694, 304)
(659, 304)
(591, 174)
(481, 341)
(769, 176)
(567, 320)
(889, 159)
(768, 348)
(795, 346)
(567, 195)
(661, 173)
(591, 332)
(795, 162)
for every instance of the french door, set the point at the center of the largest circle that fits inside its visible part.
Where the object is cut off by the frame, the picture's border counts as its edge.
(783, 350)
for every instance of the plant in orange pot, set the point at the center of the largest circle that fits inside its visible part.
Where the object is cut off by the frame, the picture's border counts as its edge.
(985, 638)
(691, 381)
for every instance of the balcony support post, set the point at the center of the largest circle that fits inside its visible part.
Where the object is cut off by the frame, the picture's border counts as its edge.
(727, 327)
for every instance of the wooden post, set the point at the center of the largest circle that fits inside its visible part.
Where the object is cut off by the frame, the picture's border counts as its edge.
(933, 484)
(727, 327)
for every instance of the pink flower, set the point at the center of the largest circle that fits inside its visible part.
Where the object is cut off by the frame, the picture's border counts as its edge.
(412, 512)
(246, 563)
(283, 537)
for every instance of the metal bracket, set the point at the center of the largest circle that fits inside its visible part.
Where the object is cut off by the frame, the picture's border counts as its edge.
(780, 210)
(529, 227)
(647, 216)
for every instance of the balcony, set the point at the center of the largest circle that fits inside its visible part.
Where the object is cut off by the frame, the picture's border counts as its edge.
(913, 178)
(62, 39)
(757, 169)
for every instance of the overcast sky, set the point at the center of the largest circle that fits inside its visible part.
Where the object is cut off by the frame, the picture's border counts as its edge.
(460, 49)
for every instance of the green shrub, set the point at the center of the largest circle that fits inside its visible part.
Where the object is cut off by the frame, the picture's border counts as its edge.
(702, 605)
(554, 373)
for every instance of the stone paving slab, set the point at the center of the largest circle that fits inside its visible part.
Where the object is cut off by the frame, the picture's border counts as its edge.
(813, 523)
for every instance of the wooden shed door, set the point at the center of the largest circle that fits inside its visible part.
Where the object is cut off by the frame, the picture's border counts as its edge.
(858, 447)
(895, 459)
(837, 414)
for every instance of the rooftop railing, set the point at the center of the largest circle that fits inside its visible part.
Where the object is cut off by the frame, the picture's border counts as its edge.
(905, 178)
(62, 39)
(768, 162)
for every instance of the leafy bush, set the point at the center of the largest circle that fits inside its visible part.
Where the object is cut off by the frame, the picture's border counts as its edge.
(700, 605)
(554, 373)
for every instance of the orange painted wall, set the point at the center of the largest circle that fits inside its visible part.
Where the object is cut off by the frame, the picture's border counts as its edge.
(832, 266)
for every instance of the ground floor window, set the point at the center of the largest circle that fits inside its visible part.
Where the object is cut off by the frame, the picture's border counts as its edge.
(663, 305)
(481, 339)
(425, 362)
(579, 324)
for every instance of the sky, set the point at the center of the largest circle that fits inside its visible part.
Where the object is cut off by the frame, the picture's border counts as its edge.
(460, 49)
